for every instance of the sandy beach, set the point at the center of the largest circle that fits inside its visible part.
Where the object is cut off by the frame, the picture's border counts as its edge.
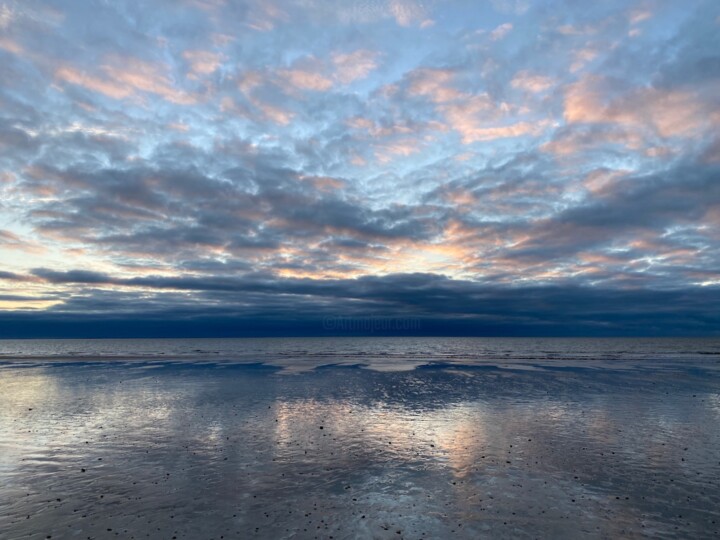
(235, 450)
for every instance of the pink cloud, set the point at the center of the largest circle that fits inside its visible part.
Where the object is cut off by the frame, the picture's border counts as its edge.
(433, 83)
(473, 116)
(387, 152)
(125, 77)
(524, 80)
(264, 16)
(9, 45)
(11, 241)
(202, 63)
(248, 83)
(669, 113)
(472, 133)
(96, 84)
(323, 183)
(582, 57)
(574, 142)
(305, 80)
(349, 67)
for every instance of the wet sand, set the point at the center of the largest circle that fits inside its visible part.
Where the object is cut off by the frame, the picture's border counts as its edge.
(163, 450)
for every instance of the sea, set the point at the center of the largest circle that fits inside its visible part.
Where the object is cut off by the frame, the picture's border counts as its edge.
(360, 438)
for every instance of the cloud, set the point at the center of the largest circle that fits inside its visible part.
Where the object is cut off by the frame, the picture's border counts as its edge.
(472, 133)
(524, 80)
(306, 80)
(125, 77)
(10, 240)
(407, 12)
(320, 75)
(355, 65)
(518, 7)
(264, 16)
(11, 276)
(670, 113)
(202, 63)
(434, 83)
(501, 31)
(639, 15)
(448, 306)
(74, 76)
(11, 46)
(395, 157)
(683, 197)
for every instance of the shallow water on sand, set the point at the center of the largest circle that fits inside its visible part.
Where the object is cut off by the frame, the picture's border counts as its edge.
(208, 450)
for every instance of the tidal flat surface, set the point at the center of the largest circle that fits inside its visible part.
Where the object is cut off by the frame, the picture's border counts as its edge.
(439, 447)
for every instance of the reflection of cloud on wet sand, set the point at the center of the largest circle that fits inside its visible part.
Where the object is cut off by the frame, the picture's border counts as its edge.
(338, 452)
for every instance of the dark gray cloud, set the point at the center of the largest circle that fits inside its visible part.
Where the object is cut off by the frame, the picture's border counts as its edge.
(440, 304)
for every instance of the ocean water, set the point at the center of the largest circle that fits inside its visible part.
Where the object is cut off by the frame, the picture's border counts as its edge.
(360, 438)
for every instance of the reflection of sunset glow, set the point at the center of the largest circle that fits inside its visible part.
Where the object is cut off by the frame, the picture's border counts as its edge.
(21, 394)
(21, 389)
(453, 434)
(463, 437)
(714, 401)
(425, 451)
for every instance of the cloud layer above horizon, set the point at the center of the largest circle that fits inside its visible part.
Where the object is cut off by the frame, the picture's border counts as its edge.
(507, 164)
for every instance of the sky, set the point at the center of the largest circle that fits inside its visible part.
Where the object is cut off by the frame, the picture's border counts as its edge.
(299, 167)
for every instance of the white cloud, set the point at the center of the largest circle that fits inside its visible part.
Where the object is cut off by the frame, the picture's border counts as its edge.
(501, 31)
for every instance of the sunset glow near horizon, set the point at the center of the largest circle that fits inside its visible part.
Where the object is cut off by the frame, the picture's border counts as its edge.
(513, 163)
